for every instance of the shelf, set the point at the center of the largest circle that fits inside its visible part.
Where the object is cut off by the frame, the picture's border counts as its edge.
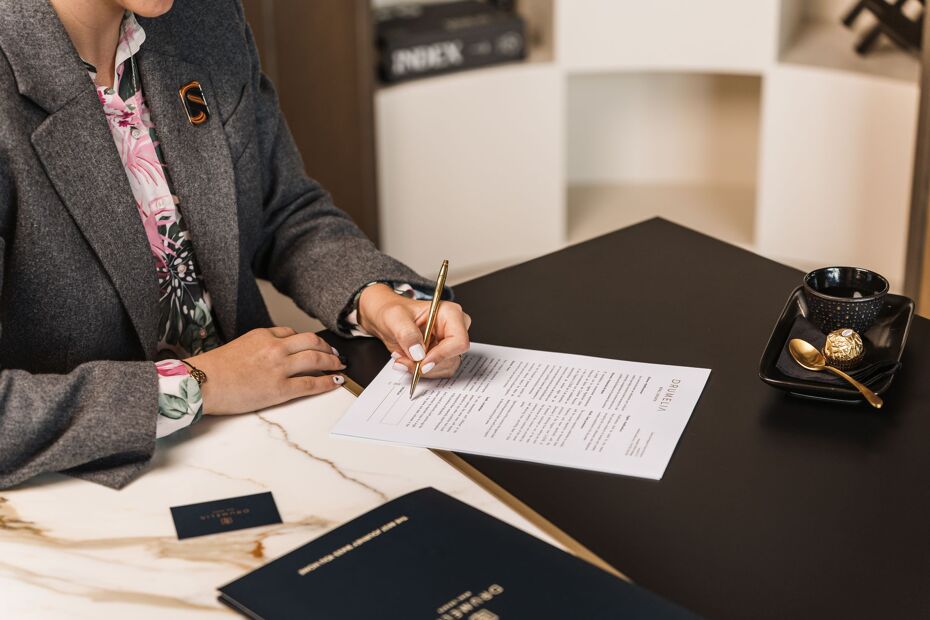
(531, 63)
(830, 45)
(610, 36)
(727, 213)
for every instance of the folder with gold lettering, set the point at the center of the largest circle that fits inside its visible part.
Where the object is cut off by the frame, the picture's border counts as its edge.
(427, 555)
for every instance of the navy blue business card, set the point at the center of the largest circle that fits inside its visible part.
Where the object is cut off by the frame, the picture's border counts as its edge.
(225, 515)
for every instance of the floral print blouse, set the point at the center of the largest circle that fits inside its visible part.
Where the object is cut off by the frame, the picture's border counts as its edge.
(186, 319)
(186, 322)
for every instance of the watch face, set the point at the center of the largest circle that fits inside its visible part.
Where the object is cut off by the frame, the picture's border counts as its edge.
(199, 376)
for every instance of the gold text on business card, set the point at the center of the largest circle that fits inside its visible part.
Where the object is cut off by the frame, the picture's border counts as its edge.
(226, 516)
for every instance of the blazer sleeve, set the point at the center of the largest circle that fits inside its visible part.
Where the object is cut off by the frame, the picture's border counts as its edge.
(97, 422)
(311, 250)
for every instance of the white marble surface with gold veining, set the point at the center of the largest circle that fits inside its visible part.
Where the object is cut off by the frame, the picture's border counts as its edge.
(73, 549)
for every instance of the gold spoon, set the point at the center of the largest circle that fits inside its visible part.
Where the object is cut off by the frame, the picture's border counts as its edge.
(805, 354)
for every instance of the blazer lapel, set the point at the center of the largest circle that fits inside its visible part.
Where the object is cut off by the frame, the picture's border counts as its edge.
(77, 150)
(200, 168)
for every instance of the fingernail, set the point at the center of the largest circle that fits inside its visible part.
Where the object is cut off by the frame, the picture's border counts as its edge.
(335, 352)
(338, 379)
(417, 352)
(428, 367)
(343, 359)
(399, 368)
(394, 355)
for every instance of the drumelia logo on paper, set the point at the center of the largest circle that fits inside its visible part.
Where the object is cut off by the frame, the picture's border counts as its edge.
(666, 399)
(430, 57)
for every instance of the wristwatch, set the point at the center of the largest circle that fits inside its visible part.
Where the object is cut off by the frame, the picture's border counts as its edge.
(199, 376)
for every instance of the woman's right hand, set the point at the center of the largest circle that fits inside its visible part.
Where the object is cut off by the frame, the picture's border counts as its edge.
(266, 367)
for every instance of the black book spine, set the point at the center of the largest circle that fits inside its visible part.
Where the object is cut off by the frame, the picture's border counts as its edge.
(410, 55)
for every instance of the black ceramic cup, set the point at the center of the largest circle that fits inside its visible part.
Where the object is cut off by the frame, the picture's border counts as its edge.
(840, 297)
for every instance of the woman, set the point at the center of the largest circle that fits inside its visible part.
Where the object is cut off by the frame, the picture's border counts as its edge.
(146, 178)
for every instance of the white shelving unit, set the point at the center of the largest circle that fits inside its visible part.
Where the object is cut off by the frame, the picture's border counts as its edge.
(837, 142)
(710, 36)
(752, 121)
(844, 197)
(471, 167)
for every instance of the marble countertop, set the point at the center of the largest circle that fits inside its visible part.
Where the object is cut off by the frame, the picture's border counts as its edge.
(70, 548)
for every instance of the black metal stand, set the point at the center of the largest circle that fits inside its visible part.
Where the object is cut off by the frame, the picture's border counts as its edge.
(893, 22)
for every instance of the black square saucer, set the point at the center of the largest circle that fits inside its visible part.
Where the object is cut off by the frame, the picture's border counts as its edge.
(886, 339)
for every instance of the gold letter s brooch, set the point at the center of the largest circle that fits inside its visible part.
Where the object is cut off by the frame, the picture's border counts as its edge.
(195, 104)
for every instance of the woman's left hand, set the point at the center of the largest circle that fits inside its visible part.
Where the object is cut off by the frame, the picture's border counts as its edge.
(399, 322)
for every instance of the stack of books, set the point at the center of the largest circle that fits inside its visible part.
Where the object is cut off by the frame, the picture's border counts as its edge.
(421, 40)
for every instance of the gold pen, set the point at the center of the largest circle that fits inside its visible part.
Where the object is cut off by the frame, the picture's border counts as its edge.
(431, 319)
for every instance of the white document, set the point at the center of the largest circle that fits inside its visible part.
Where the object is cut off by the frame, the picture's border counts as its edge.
(571, 410)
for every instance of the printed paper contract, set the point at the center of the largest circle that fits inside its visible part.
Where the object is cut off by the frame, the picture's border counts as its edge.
(571, 410)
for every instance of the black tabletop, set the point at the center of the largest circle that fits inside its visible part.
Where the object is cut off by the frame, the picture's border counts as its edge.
(772, 506)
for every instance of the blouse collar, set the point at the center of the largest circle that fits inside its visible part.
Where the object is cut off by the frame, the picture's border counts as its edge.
(131, 37)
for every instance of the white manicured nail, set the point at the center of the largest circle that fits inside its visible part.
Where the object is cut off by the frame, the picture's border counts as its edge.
(335, 352)
(399, 368)
(428, 367)
(338, 379)
(394, 355)
(417, 352)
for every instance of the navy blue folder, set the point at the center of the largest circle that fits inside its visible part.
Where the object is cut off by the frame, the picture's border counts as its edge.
(427, 555)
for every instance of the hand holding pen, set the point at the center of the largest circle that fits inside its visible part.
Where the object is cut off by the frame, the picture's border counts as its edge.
(400, 322)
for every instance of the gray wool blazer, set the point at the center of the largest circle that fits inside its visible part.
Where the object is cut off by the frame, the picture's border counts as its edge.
(78, 290)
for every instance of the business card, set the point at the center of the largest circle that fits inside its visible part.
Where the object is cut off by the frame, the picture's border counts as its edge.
(225, 515)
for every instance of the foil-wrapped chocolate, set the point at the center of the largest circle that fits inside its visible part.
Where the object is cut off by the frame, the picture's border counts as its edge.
(844, 349)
